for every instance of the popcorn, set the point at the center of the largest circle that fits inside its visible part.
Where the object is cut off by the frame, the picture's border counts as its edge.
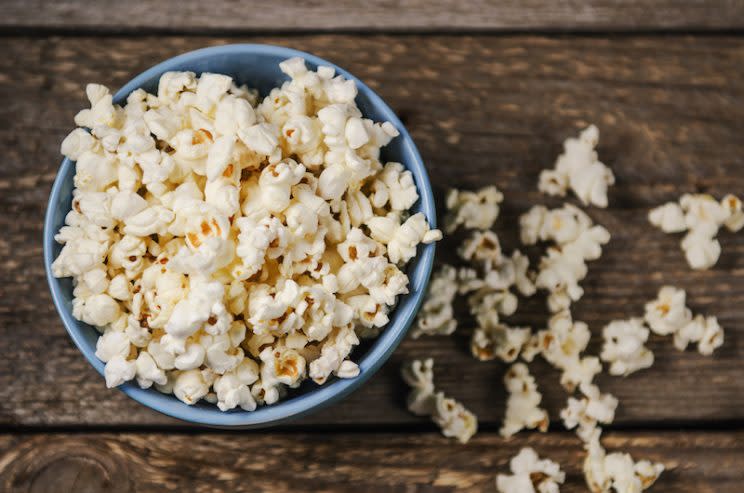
(522, 406)
(624, 346)
(670, 218)
(701, 216)
(436, 316)
(219, 243)
(454, 420)
(499, 341)
(579, 169)
(473, 210)
(482, 246)
(705, 331)
(617, 472)
(585, 413)
(561, 345)
(667, 314)
(530, 474)
(577, 240)
(118, 370)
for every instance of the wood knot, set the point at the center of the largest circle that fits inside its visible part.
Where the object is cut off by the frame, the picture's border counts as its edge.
(48, 463)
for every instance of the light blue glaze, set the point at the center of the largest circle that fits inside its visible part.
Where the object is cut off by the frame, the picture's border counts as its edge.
(257, 66)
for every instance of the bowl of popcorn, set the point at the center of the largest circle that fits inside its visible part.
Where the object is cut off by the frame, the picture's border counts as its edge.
(240, 235)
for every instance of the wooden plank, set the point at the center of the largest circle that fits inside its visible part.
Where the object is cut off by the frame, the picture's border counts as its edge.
(698, 462)
(379, 15)
(482, 109)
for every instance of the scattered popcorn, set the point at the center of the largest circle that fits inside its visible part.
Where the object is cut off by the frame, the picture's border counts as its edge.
(576, 241)
(624, 346)
(584, 414)
(668, 315)
(499, 341)
(522, 406)
(436, 316)
(220, 244)
(701, 216)
(561, 345)
(705, 331)
(454, 420)
(530, 474)
(473, 210)
(617, 472)
(579, 169)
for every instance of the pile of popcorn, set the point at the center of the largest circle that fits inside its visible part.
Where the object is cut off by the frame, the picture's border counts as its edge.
(493, 281)
(228, 248)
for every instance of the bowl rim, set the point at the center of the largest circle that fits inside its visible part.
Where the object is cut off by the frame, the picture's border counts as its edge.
(315, 399)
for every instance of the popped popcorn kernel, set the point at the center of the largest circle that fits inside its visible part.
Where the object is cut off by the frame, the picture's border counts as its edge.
(579, 169)
(530, 474)
(523, 405)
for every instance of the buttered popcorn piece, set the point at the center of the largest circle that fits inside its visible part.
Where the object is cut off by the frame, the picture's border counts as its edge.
(579, 169)
(530, 474)
(219, 243)
(500, 341)
(472, 210)
(701, 216)
(523, 405)
(452, 417)
(624, 346)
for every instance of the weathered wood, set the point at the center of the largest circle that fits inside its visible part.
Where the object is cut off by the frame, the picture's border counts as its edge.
(482, 109)
(698, 462)
(380, 15)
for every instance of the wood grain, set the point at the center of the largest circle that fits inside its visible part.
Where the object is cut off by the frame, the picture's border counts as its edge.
(237, 462)
(482, 109)
(380, 15)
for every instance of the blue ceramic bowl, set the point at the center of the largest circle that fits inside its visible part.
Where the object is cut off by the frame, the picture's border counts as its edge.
(257, 66)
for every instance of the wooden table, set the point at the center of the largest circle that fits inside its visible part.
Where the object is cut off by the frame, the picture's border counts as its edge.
(488, 91)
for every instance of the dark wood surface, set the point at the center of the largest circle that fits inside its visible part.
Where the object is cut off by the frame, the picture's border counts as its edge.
(374, 15)
(482, 108)
(364, 462)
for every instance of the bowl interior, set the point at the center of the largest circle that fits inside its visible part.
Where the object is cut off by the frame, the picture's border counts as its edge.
(258, 67)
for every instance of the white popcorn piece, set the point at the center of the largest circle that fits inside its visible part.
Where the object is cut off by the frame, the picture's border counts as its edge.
(472, 210)
(579, 169)
(530, 474)
(523, 405)
(585, 413)
(482, 246)
(419, 375)
(436, 316)
(702, 217)
(735, 220)
(190, 386)
(561, 345)
(667, 314)
(617, 471)
(701, 250)
(577, 240)
(502, 341)
(670, 218)
(705, 331)
(454, 420)
(118, 370)
(624, 346)
(148, 372)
